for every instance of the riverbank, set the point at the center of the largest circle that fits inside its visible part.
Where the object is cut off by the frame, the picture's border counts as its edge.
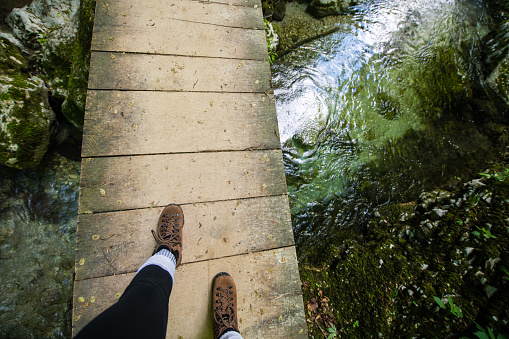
(445, 245)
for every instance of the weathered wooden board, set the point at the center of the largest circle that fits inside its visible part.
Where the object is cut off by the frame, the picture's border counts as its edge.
(268, 289)
(128, 13)
(177, 73)
(119, 242)
(183, 38)
(130, 182)
(148, 122)
(251, 3)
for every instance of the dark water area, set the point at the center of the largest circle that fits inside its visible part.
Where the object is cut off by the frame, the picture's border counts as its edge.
(391, 105)
(37, 242)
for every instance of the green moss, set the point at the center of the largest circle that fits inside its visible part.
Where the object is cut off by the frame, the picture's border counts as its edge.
(74, 105)
(11, 60)
(386, 278)
(27, 118)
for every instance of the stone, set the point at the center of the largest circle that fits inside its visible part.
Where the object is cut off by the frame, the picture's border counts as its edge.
(33, 24)
(25, 114)
(437, 214)
(50, 27)
(323, 8)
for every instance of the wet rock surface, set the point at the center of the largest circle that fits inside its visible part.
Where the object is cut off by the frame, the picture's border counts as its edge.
(323, 8)
(298, 26)
(26, 117)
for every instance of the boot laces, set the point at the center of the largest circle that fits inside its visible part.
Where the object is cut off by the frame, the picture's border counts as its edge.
(168, 231)
(225, 313)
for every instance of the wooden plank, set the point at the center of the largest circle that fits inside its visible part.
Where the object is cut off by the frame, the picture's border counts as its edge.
(127, 122)
(177, 73)
(183, 38)
(119, 183)
(234, 2)
(119, 242)
(134, 13)
(269, 296)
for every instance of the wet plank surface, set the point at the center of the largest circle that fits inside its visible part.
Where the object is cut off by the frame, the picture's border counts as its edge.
(119, 242)
(121, 122)
(269, 296)
(130, 182)
(180, 110)
(143, 72)
(137, 15)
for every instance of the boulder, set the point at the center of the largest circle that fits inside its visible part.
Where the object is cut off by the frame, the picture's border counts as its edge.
(50, 28)
(274, 9)
(323, 8)
(25, 114)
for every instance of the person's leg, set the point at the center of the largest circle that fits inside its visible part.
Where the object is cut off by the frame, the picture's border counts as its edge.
(224, 303)
(142, 311)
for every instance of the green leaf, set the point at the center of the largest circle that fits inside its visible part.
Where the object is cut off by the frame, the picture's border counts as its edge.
(450, 302)
(332, 335)
(476, 233)
(485, 175)
(439, 302)
(481, 335)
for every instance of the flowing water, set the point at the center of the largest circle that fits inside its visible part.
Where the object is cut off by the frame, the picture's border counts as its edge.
(37, 239)
(390, 105)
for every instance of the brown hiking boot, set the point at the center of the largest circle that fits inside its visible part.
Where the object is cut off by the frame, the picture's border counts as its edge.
(224, 303)
(169, 231)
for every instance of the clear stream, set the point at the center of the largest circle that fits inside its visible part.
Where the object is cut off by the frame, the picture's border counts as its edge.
(374, 114)
(386, 107)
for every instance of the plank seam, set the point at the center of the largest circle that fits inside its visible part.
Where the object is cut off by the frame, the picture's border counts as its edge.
(218, 25)
(178, 55)
(255, 148)
(225, 4)
(204, 260)
(187, 203)
(177, 91)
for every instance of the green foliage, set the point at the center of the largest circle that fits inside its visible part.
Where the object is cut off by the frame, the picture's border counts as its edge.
(270, 34)
(500, 176)
(487, 333)
(42, 40)
(486, 233)
(332, 332)
(455, 310)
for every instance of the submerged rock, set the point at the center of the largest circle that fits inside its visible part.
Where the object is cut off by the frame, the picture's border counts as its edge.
(322, 8)
(25, 114)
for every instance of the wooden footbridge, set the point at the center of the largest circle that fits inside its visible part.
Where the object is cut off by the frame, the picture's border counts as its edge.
(180, 110)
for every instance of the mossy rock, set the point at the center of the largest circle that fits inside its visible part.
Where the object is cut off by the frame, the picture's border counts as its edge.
(323, 8)
(25, 114)
(73, 107)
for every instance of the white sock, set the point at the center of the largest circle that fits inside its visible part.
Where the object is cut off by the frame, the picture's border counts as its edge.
(164, 259)
(231, 335)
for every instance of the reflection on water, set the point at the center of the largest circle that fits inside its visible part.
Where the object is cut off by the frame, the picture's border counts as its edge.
(386, 107)
(37, 240)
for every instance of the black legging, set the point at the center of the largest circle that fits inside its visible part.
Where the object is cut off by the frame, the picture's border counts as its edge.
(141, 312)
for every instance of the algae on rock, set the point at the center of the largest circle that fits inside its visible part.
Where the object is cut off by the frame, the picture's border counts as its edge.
(59, 34)
(25, 114)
